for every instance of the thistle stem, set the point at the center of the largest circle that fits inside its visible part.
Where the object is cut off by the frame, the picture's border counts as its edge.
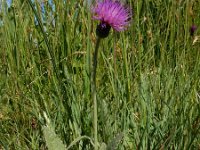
(93, 86)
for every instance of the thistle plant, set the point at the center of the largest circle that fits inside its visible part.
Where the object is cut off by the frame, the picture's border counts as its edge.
(193, 28)
(111, 14)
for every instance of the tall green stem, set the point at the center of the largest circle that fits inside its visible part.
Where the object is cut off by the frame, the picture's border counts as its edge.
(94, 95)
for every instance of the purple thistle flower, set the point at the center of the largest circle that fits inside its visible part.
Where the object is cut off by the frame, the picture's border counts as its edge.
(193, 28)
(111, 13)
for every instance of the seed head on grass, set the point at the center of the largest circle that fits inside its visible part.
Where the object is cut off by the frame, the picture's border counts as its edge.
(111, 13)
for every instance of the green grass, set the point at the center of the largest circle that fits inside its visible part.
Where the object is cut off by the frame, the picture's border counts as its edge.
(148, 96)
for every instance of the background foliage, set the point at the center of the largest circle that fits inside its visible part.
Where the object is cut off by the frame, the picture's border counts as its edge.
(147, 77)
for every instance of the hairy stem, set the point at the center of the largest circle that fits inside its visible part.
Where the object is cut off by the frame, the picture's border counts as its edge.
(93, 86)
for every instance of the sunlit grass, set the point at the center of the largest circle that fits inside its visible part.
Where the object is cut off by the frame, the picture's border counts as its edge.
(148, 96)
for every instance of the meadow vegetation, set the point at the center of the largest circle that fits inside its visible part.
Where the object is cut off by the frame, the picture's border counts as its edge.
(148, 85)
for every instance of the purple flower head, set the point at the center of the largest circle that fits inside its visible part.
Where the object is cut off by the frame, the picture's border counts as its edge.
(111, 13)
(193, 28)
